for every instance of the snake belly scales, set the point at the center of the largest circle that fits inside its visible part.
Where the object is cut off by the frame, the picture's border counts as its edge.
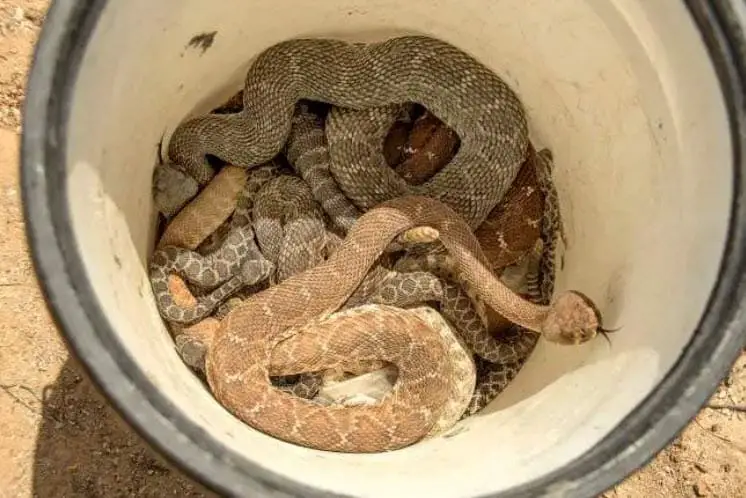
(366, 84)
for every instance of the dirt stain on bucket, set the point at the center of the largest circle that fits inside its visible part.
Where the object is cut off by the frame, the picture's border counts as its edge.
(202, 41)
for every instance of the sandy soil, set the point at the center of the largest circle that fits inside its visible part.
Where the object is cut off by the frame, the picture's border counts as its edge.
(60, 438)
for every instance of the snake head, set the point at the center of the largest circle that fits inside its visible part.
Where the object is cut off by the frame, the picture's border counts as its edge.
(572, 319)
(172, 189)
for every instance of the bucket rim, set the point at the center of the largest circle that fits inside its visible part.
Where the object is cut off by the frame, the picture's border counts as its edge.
(716, 343)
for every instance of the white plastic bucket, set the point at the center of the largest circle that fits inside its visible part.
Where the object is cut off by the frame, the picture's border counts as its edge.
(641, 104)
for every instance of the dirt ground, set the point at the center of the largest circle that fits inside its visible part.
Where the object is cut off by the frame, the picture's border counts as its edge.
(60, 438)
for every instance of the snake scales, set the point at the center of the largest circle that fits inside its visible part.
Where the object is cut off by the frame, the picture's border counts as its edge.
(491, 124)
(510, 231)
(297, 358)
(467, 96)
(268, 324)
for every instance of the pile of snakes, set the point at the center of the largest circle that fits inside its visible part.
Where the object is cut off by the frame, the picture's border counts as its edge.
(359, 247)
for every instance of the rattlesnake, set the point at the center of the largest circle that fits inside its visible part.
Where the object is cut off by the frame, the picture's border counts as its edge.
(287, 226)
(308, 153)
(471, 99)
(419, 145)
(513, 347)
(529, 209)
(290, 226)
(494, 142)
(236, 264)
(235, 260)
(249, 338)
(461, 381)
(207, 212)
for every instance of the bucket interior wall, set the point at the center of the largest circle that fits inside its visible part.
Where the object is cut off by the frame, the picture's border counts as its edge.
(621, 91)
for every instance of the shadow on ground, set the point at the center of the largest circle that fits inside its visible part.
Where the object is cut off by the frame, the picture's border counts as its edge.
(84, 449)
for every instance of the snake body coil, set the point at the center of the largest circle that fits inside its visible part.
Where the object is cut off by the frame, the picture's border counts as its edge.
(485, 113)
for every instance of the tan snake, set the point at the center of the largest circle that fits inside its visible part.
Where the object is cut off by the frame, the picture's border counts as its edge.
(268, 323)
(502, 235)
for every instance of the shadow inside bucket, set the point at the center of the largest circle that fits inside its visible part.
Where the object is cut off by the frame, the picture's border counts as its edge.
(84, 449)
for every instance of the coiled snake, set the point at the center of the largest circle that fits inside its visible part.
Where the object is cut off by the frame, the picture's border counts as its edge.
(279, 331)
(485, 113)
